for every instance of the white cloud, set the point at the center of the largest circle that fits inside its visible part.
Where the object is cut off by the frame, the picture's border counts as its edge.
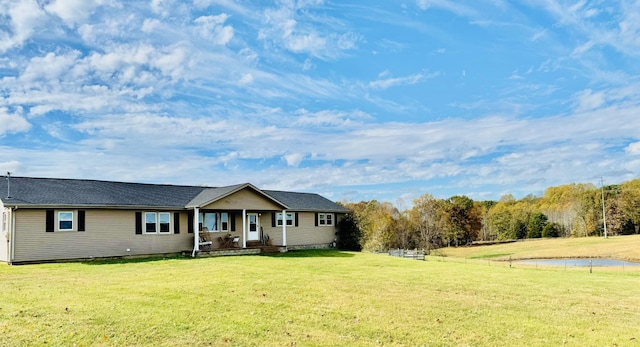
(451, 6)
(633, 148)
(161, 7)
(308, 65)
(539, 34)
(588, 100)
(213, 28)
(12, 166)
(332, 118)
(26, 16)
(172, 61)
(246, 78)
(73, 12)
(407, 80)
(293, 159)
(630, 27)
(150, 24)
(195, 88)
(299, 32)
(12, 122)
(583, 48)
(229, 4)
(51, 67)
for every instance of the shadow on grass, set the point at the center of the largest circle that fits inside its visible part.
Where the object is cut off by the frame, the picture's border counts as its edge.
(111, 261)
(313, 253)
(310, 253)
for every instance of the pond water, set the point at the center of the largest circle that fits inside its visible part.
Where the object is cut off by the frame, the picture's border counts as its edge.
(578, 262)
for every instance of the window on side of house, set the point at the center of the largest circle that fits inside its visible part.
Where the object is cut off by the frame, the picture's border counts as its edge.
(209, 221)
(150, 222)
(4, 221)
(214, 221)
(65, 220)
(325, 219)
(164, 222)
(289, 219)
(157, 223)
(224, 221)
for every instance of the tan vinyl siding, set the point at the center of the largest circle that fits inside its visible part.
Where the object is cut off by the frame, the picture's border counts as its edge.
(243, 199)
(109, 233)
(306, 233)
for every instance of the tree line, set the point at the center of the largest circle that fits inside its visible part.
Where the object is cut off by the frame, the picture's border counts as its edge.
(572, 210)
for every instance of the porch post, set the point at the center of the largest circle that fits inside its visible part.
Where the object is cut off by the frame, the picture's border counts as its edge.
(244, 228)
(196, 232)
(284, 227)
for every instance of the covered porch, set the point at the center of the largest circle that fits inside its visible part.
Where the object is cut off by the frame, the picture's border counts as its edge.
(230, 219)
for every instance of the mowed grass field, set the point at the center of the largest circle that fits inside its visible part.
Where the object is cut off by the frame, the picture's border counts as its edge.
(314, 298)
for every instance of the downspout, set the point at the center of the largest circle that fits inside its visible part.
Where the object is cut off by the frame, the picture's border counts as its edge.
(12, 228)
(196, 232)
(284, 228)
(244, 228)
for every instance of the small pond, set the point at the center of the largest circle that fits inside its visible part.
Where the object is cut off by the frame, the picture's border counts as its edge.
(578, 262)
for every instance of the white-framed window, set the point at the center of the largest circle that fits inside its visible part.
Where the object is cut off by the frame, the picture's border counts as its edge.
(65, 220)
(157, 222)
(164, 222)
(214, 221)
(150, 222)
(5, 222)
(224, 221)
(289, 219)
(325, 219)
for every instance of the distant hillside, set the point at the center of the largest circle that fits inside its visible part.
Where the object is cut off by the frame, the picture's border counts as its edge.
(618, 247)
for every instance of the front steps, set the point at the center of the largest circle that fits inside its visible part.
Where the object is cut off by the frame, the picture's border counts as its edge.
(266, 249)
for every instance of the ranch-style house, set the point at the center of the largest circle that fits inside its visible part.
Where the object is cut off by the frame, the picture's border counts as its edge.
(50, 219)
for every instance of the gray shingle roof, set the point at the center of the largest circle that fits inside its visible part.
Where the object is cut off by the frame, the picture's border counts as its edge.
(45, 192)
(209, 195)
(27, 191)
(306, 201)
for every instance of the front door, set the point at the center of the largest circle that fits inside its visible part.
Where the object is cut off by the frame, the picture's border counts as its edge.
(253, 233)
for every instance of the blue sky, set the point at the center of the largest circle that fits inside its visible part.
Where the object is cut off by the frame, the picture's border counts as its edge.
(355, 100)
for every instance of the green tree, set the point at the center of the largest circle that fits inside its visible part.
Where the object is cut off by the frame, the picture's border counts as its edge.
(499, 221)
(348, 234)
(376, 223)
(461, 223)
(425, 221)
(630, 202)
(551, 230)
(537, 222)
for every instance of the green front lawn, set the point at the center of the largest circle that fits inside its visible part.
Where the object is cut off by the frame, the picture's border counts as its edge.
(317, 298)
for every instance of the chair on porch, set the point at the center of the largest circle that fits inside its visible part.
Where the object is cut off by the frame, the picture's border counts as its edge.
(228, 241)
(205, 240)
(235, 241)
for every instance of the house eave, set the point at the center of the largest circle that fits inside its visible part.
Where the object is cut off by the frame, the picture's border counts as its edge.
(92, 206)
(235, 190)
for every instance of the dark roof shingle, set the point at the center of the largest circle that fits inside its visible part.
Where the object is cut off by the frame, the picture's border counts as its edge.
(27, 191)
(306, 201)
(43, 192)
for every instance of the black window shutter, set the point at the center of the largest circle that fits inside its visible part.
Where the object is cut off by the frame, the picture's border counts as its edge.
(80, 220)
(138, 223)
(273, 219)
(50, 222)
(296, 218)
(176, 223)
(232, 217)
(190, 222)
(316, 218)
